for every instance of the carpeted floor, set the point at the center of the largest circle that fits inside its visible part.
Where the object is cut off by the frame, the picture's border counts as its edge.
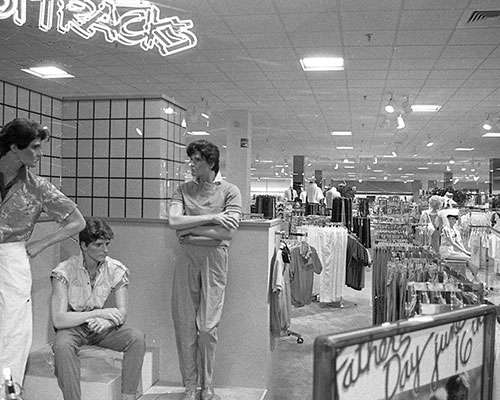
(293, 377)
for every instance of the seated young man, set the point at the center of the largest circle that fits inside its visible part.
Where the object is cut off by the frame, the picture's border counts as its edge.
(80, 287)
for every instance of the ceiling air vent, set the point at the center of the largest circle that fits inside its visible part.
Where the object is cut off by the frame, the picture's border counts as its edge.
(484, 18)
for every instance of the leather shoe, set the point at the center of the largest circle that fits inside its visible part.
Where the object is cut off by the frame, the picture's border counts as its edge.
(207, 393)
(189, 394)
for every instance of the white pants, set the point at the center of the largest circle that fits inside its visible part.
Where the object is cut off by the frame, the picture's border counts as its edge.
(16, 324)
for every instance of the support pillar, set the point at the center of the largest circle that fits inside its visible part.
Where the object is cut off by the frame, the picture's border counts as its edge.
(298, 172)
(239, 153)
(318, 176)
(447, 180)
(416, 187)
(494, 176)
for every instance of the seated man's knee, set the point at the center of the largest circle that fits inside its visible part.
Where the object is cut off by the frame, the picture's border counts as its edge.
(137, 338)
(64, 344)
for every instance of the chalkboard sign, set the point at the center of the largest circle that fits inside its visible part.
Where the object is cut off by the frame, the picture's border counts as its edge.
(421, 358)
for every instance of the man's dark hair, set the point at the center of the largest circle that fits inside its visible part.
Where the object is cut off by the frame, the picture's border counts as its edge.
(456, 382)
(209, 152)
(95, 229)
(21, 132)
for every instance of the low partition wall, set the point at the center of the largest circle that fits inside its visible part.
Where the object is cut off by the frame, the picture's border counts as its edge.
(148, 249)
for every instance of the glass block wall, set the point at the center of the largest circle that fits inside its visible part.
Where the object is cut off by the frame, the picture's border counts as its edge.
(17, 102)
(122, 157)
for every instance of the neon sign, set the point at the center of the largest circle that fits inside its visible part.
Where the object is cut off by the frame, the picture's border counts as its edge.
(128, 22)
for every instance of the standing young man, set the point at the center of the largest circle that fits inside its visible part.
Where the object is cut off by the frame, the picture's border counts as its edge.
(80, 287)
(23, 197)
(205, 213)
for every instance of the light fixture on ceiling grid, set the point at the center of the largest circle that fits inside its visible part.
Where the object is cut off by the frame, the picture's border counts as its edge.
(48, 72)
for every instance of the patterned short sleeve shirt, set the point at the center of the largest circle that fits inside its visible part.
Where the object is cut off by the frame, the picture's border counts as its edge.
(25, 201)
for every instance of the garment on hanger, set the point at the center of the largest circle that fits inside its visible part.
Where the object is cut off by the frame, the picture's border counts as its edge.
(361, 227)
(280, 301)
(342, 211)
(331, 246)
(357, 258)
(304, 264)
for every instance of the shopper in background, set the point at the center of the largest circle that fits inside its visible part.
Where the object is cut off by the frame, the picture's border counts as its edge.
(431, 220)
(205, 213)
(290, 194)
(331, 194)
(23, 197)
(302, 194)
(314, 198)
(79, 316)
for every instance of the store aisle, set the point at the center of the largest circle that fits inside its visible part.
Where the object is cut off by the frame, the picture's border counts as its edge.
(293, 377)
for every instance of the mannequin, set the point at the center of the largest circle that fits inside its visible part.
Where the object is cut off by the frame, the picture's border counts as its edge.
(431, 219)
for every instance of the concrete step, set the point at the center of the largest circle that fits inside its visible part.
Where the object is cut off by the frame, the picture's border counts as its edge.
(100, 374)
(166, 392)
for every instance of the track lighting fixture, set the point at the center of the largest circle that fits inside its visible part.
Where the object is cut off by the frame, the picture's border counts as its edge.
(488, 125)
(389, 107)
(401, 122)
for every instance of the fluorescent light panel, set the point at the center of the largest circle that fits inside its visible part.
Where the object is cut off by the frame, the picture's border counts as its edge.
(425, 108)
(344, 147)
(464, 149)
(49, 72)
(341, 133)
(322, 64)
(492, 134)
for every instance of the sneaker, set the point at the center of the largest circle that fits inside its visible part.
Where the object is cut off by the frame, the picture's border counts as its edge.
(207, 393)
(189, 394)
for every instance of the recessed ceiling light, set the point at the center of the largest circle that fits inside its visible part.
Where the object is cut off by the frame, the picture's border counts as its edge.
(349, 166)
(344, 147)
(422, 167)
(341, 133)
(49, 72)
(322, 64)
(464, 149)
(492, 134)
(425, 108)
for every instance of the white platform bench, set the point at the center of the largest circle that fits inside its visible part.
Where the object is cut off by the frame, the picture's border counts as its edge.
(100, 374)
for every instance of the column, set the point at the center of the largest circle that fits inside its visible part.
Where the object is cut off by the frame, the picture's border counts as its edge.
(416, 187)
(298, 172)
(239, 153)
(494, 176)
(447, 180)
(318, 175)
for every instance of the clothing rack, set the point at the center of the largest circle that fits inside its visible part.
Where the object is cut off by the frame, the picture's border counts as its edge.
(283, 236)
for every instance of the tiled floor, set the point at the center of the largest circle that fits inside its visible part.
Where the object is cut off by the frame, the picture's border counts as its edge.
(161, 392)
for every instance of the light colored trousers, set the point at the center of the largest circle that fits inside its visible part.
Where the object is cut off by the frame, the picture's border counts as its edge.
(16, 324)
(197, 299)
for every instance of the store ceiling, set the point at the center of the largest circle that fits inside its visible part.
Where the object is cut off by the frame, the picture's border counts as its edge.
(247, 58)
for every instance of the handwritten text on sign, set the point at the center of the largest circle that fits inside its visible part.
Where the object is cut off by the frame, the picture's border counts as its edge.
(128, 22)
(407, 362)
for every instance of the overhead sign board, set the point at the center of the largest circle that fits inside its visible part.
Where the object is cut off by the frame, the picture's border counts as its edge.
(128, 22)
